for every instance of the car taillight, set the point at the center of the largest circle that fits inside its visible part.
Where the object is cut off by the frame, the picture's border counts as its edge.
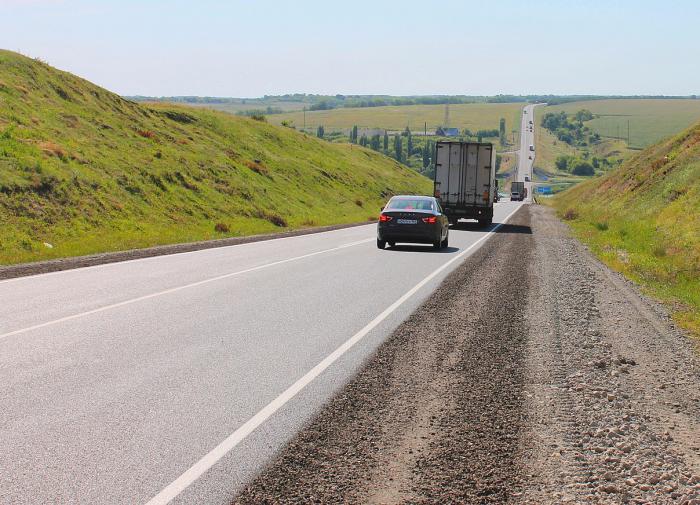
(430, 220)
(384, 218)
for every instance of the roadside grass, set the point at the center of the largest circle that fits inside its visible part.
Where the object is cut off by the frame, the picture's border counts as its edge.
(85, 171)
(643, 220)
(474, 116)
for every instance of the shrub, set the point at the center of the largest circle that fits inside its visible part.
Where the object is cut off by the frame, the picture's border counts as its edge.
(359, 202)
(257, 167)
(583, 168)
(259, 117)
(602, 226)
(276, 219)
(147, 134)
(570, 215)
(221, 228)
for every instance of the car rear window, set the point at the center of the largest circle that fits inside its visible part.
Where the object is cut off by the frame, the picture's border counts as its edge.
(409, 204)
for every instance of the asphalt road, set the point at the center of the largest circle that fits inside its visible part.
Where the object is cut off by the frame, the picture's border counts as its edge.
(173, 379)
(527, 138)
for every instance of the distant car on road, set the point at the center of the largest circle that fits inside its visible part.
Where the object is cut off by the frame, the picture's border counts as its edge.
(527, 178)
(415, 219)
(532, 148)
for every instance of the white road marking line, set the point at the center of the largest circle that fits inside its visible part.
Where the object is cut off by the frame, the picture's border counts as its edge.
(176, 487)
(179, 288)
(161, 256)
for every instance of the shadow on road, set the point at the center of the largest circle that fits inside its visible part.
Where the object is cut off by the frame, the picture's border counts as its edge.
(504, 228)
(422, 248)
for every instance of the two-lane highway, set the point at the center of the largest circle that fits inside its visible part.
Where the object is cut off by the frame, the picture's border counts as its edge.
(175, 378)
(526, 157)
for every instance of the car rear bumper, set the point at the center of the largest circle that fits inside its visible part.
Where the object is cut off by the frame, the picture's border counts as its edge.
(422, 235)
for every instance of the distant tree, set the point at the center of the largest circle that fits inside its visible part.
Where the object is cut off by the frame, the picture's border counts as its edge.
(375, 142)
(583, 115)
(320, 132)
(479, 138)
(583, 168)
(409, 143)
(398, 148)
(502, 130)
(353, 135)
(499, 160)
(595, 162)
(386, 142)
(363, 140)
(562, 163)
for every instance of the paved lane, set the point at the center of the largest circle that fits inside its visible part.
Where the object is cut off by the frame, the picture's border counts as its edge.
(117, 379)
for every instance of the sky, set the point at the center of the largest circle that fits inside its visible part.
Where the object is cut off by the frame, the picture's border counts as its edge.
(251, 48)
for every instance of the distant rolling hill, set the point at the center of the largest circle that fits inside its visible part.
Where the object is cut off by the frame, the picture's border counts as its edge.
(83, 170)
(643, 219)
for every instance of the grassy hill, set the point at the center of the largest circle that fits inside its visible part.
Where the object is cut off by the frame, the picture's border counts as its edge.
(643, 219)
(82, 170)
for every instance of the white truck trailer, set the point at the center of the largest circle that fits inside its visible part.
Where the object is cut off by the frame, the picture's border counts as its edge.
(465, 175)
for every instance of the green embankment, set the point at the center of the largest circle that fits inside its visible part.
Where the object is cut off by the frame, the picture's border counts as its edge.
(643, 219)
(83, 170)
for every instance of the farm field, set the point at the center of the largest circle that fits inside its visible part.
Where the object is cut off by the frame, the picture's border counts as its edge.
(236, 107)
(474, 116)
(650, 120)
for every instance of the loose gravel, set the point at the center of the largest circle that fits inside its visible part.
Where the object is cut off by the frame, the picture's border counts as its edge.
(532, 375)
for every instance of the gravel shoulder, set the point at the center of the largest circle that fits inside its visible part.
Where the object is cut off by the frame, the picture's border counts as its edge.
(532, 375)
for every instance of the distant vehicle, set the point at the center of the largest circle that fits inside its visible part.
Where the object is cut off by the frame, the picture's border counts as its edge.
(529, 157)
(518, 191)
(527, 178)
(465, 180)
(532, 148)
(415, 219)
(530, 121)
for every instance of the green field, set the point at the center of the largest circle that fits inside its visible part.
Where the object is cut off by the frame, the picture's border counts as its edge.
(650, 120)
(643, 219)
(236, 107)
(83, 170)
(474, 116)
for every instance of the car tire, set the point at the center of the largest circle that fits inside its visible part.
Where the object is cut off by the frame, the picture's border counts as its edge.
(445, 242)
(485, 222)
(391, 244)
(437, 245)
(381, 244)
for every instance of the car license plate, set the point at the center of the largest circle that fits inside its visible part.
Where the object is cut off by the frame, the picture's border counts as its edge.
(407, 221)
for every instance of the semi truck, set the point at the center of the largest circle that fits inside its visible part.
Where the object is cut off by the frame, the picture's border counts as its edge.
(465, 180)
(518, 191)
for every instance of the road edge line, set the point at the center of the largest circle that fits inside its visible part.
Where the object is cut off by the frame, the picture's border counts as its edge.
(172, 490)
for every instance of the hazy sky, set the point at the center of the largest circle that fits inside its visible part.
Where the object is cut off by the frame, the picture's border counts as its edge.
(251, 48)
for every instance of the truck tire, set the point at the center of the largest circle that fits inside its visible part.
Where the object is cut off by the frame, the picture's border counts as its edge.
(381, 244)
(437, 245)
(485, 222)
(391, 244)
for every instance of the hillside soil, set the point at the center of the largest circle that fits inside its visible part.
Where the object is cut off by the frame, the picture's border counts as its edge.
(532, 375)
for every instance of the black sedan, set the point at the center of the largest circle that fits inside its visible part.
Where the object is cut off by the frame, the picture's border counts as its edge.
(416, 219)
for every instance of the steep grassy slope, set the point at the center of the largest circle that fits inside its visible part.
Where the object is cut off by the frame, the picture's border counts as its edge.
(85, 171)
(643, 219)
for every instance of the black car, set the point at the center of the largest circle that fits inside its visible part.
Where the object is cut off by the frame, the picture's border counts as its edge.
(416, 219)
